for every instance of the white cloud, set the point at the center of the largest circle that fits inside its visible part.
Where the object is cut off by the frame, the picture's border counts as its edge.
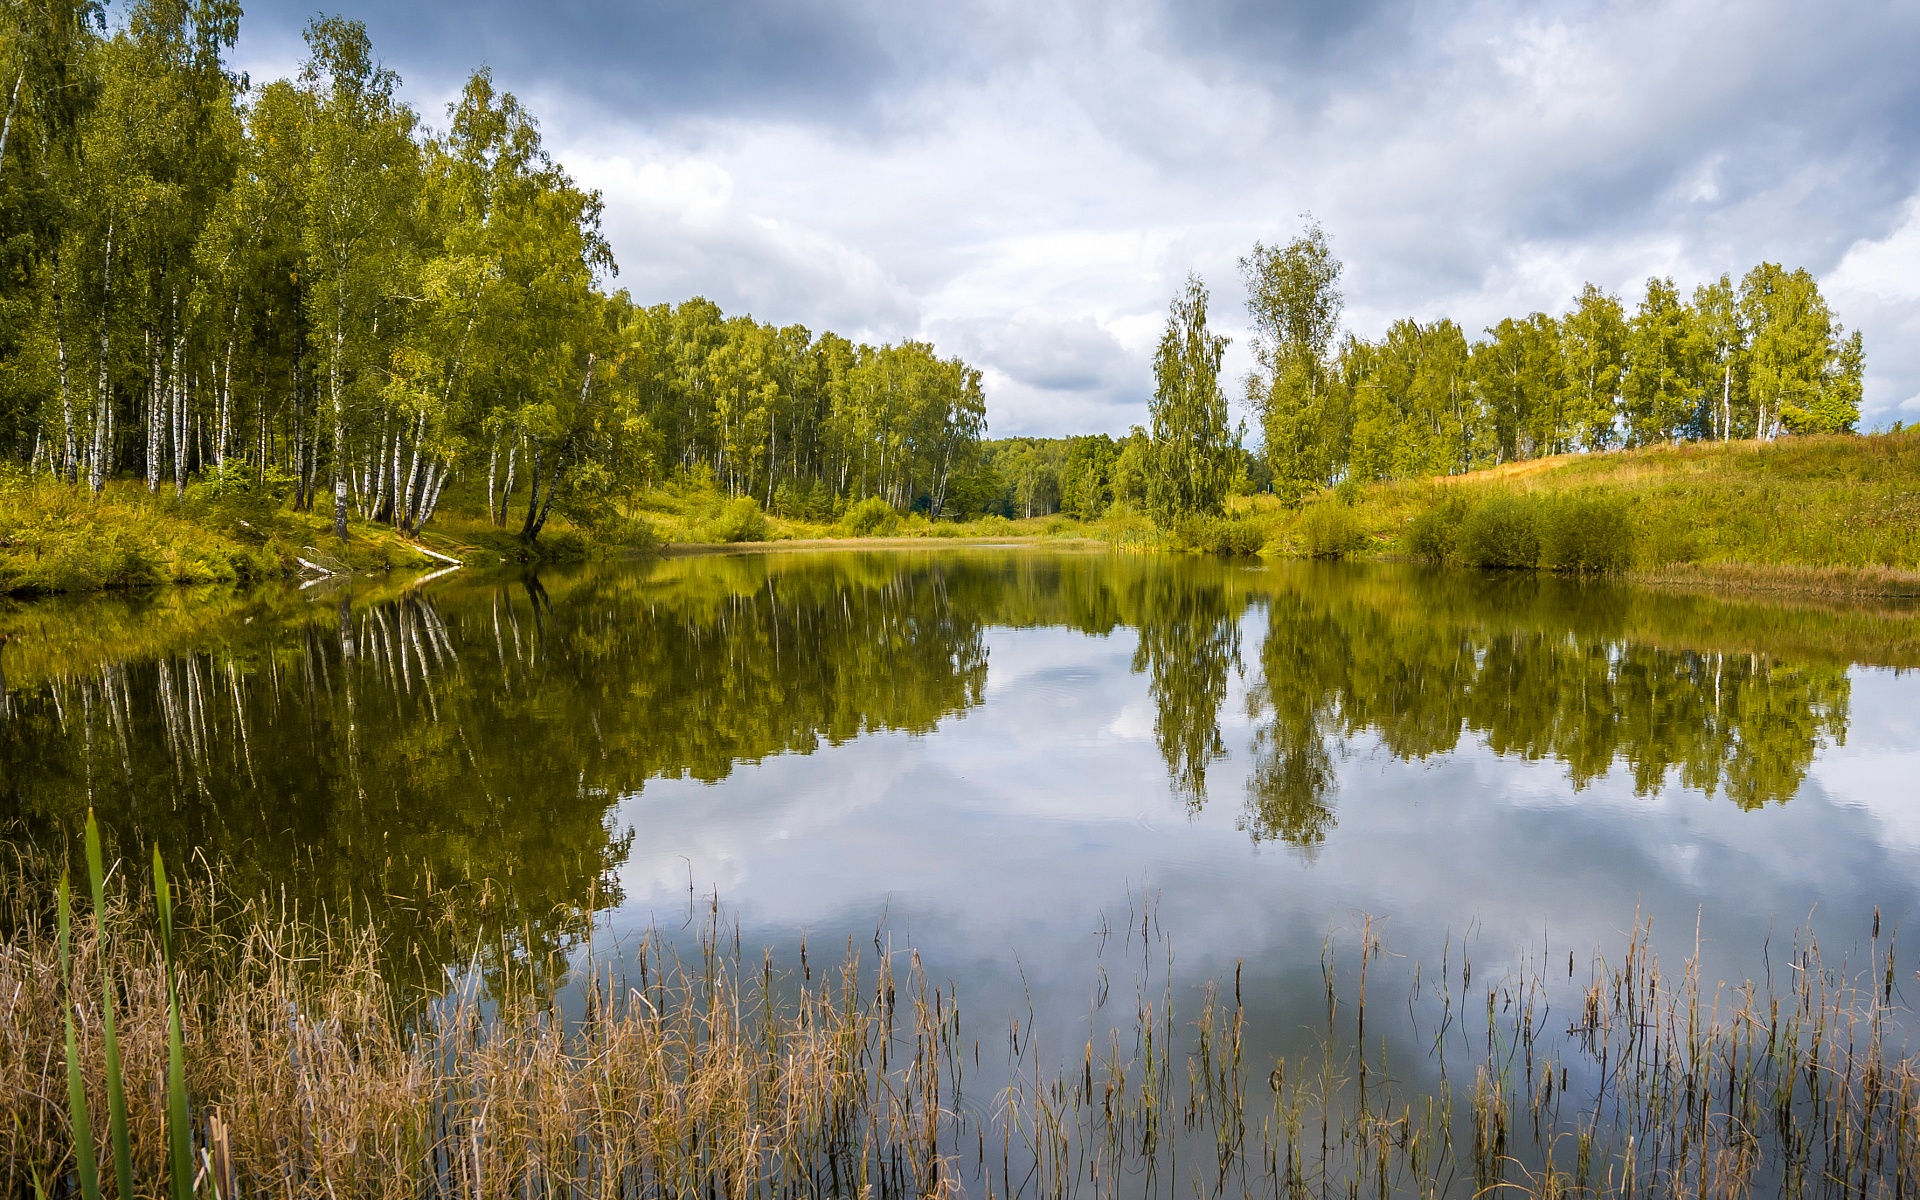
(1877, 288)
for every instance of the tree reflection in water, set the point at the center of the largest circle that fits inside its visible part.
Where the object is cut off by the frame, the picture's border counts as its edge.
(448, 757)
(1587, 674)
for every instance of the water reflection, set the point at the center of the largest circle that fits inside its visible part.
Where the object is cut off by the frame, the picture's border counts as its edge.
(1537, 669)
(447, 758)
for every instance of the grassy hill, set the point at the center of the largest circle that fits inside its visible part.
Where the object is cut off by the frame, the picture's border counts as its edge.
(1828, 513)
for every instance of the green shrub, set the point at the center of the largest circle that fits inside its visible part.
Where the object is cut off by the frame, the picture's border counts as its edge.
(1060, 526)
(1586, 532)
(1502, 532)
(740, 520)
(1435, 534)
(872, 517)
(1662, 540)
(628, 532)
(1237, 535)
(1218, 535)
(1329, 529)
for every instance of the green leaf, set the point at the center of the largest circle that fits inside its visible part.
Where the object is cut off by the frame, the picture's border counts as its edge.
(116, 1083)
(79, 1126)
(179, 1131)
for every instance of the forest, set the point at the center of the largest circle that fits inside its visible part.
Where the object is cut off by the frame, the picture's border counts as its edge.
(300, 287)
(301, 292)
(1759, 359)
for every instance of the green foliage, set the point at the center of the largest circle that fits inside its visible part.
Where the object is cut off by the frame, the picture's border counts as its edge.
(1434, 533)
(872, 517)
(1501, 532)
(54, 538)
(1133, 470)
(1586, 532)
(1737, 361)
(1086, 481)
(1217, 535)
(740, 521)
(1028, 472)
(1191, 457)
(300, 285)
(1583, 532)
(1293, 295)
(1839, 502)
(1329, 529)
(117, 1132)
(79, 1124)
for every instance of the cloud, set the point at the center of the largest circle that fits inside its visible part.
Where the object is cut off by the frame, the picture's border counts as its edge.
(1877, 285)
(1072, 354)
(1029, 184)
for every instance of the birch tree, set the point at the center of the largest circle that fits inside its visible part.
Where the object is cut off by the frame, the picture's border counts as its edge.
(1293, 296)
(361, 180)
(1192, 443)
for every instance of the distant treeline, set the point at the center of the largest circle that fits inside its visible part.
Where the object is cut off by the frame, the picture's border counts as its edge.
(1757, 359)
(298, 285)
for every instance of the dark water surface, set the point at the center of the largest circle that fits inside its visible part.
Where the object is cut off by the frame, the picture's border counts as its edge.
(1001, 758)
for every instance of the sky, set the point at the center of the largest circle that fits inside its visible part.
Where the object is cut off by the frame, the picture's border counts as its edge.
(1027, 185)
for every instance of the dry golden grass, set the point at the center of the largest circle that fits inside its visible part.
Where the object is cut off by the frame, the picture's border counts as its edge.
(313, 1075)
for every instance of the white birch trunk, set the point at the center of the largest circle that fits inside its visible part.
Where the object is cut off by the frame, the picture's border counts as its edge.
(67, 466)
(103, 401)
(179, 415)
(340, 463)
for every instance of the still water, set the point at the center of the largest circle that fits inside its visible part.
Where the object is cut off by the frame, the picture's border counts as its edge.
(1002, 758)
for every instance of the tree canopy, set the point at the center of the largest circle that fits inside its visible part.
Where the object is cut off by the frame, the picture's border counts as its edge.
(1758, 358)
(302, 286)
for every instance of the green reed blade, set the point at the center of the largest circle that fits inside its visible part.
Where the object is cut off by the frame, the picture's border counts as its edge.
(33, 1173)
(116, 1085)
(79, 1126)
(179, 1134)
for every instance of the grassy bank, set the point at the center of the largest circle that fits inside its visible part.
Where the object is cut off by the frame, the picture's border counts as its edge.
(1826, 514)
(696, 513)
(1837, 516)
(307, 1072)
(58, 538)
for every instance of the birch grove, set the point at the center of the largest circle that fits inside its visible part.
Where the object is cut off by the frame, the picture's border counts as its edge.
(302, 287)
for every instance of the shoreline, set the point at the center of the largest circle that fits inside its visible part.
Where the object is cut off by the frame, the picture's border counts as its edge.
(1732, 579)
(1009, 542)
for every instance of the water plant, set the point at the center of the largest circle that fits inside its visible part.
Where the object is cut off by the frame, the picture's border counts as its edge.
(710, 1073)
(79, 1123)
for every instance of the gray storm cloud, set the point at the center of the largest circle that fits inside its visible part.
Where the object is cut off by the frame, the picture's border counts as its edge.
(1027, 185)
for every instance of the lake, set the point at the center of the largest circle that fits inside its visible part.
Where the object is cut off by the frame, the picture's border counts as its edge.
(1056, 773)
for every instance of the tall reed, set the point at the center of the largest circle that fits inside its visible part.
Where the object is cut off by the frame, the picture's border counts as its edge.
(701, 1071)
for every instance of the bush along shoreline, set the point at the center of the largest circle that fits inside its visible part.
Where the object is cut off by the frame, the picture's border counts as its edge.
(1829, 514)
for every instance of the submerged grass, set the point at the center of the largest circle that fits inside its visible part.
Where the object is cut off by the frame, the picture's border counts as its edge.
(311, 1074)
